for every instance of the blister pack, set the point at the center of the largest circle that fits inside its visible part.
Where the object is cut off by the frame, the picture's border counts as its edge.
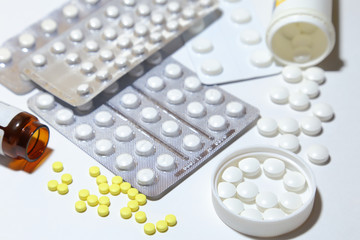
(94, 53)
(155, 132)
(237, 34)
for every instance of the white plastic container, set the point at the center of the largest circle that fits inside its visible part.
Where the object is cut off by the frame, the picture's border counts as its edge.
(301, 32)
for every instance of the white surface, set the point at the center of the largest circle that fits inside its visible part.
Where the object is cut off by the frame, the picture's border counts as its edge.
(28, 210)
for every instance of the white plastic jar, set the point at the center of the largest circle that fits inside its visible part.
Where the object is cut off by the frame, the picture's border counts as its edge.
(301, 32)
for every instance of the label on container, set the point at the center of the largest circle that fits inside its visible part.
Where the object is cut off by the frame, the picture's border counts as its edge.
(7, 113)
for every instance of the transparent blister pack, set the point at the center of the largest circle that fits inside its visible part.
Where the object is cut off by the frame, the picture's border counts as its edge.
(155, 132)
(94, 53)
(235, 31)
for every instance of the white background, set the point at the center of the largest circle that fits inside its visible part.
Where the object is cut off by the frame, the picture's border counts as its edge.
(29, 211)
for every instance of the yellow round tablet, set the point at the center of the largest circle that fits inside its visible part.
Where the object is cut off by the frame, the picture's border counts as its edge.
(161, 226)
(101, 179)
(140, 217)
(92, 200)
(94, 171)
(103, 210)
(125, 186)
(80, 206)
(149, 228)
(104, 200)
(62, 188)
(170, 220)
(52, 185)
(133, 205)
(114, 189)
(104, 188)
(141, 199)
(57, 166)
(83, 194)
(66, 178)
(117, 180)
(125, 212)
(132, 192)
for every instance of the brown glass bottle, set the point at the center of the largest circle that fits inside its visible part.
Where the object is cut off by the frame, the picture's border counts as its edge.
(24, 136)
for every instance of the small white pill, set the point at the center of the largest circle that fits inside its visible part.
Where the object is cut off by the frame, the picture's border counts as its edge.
(124, 42)
(315, 74)
(160, 2)
(192, 84)
(88, 68)
(294, 181)
(84, 132)
(240, 15)
(124, 133)
(261, 58)
(64, 117)
(299, 101)
(318, 154)
(292, 74)
(174, 7)
(232, 174)
(206, 3)
(104, 147)
(289, 142)
(106, 55)
(274, 168)
(130, 100)
(288, 126)
(247, 191)
(202, 45)
(188, 13)
(310, 88)
(250, 37)
(252, 214)
(267, 127)
(214, 96)
(70, 11)
(143, 10)
(104, 119)
(109, 34)
(191, 142)
(141, 30)
(157, 18)
(323, 111)
(289, 202)
(211, 67)
(234, 205)
(129, 3)
(196, 110)
(126, 21)
(73, 58)
(155, 37)
(92, 2)
(144, 148)
(165, 162)
(266, 200)
(49, 26)
(26, 40)
(249, 166)
(138, 50)
(112, 12)
(226, 190)
(175, 96)
(58, 48)
(302, 54)
(173, 70)
(76, 35)
(273, 214)
(311, 126)
(83, 89)
(279, 95)
(217, 123)
(45, 101)
(155, 59)
(155, 83)
(103, 75)
(121, 62)
(145, 176)
(39, 60)
(150, 115)
(124, 162)
(5, 55)
(235, 109)
(172, 25)
(170, 128)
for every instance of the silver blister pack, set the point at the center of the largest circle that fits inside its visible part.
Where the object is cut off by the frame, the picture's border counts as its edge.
(155, 132)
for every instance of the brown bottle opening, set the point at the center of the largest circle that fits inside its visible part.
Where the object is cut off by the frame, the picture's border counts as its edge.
(37, 143)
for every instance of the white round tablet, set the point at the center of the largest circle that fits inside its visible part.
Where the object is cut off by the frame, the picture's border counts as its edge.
(83, 89)
(138, 50)
(155, 37)
(172, 25)
(289, 142)
(274, 168)
(170, 128)
(106, 55)
(124, 42)
(294, 181)
(250, 167)
(103, 75)
(211, 67)
(174, 7)
(240, 15)
(299, 101)
(150, 115)
(266, 200)
(146, 176)
(267, 127)
(160, 2)
(129, 3)
(126, 21)
(288, 125)
(192, 84)
(130, 100)
(289, 202)
(165, 162)
(232, 174)
(202, 45)
(141, 30)
(143, 10)
(157, 18)
(109, 34)
(175, 96)
(124, 162)
(144, 148)
(234, 205)
(311, 126)
(235, 109)
(88, 68)
(192, 142)
(76, 35)
(104, 147)
(64, 116)
(273, 214)
(104, 119)
(247, 191)
(318, 154)
(315, 74)
(310, 88)
(250, 37)
(124, 133)
(292, 74)
(217, 123)
(58, 48)
(72, 58)
(70, 11)
(121, 62)
(39, 60)
(112, 12)
(26, 40)
(84, 132)
(252, 214)
(92, 2)
(195, 110)
(261, 58)
(49, 26)
(279, 95)
(173, 70)
(214, 96)
(188, 13)
(5, 55)
(45, 101)
(323, 111)
(155, 83)
(206, 3)
(226, 190)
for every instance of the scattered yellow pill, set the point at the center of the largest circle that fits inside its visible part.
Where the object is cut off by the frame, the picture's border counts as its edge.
(133, 205)
(94, 171)
(80, 206)
(149, 228)
(141, 199)
(140, 217)
(104, 188)
(161, 226)
(132, 193)
(115, 189)
(101, 179)
(66, 178)
(117, 180)
(170, 220)
(125, 212)
(125, 186)
(103, 210)
(57, 166)
(104, 200)
(52, 185)
(83, 194)
(92, 200)
(62, 188)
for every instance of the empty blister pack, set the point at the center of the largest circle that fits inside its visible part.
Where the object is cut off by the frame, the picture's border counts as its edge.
(87, 58)
(233, 47)
(155, 132)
